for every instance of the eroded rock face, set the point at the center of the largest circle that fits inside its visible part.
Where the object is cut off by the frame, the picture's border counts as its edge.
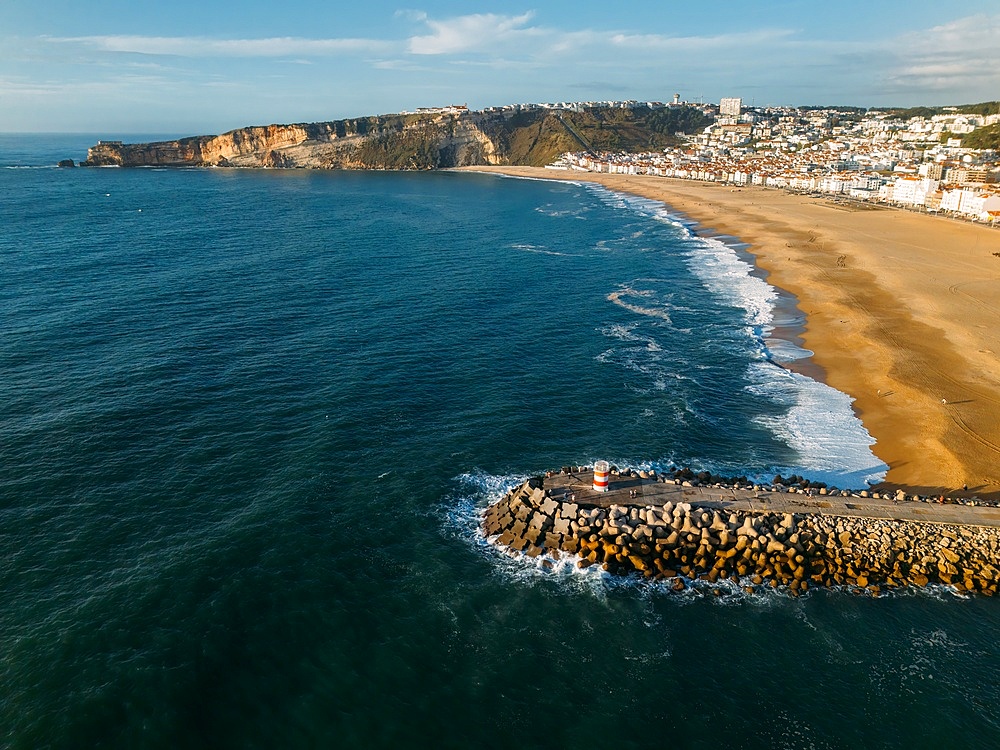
(781, 549)
(447, 137)
(390, 142)
(163, 153)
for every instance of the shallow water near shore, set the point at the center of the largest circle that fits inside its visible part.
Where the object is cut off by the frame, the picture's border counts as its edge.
(248, 420)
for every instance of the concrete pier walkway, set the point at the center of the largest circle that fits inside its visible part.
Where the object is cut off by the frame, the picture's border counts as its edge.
(655, 492)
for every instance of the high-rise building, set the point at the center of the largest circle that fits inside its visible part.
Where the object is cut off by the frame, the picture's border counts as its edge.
(931, 171)
(730, 107)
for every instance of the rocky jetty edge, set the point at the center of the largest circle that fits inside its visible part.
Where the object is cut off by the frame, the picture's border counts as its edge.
(684, 542)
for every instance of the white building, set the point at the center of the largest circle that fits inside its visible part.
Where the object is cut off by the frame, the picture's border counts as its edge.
(964, 201)
(911, 191)
(731, 107)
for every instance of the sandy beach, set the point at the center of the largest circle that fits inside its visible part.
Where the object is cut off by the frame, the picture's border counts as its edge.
(902, 310)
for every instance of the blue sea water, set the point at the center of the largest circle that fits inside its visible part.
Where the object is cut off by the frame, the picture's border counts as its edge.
(247, 420)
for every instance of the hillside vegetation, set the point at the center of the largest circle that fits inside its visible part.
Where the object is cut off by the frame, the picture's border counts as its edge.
(983, 108)
(538, 137)
(983, 138)
(529, 138)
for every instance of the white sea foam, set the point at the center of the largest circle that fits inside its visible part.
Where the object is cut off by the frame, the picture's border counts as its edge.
(487, 488)
(527, 248)
(530, 179)
(819, 424)
(786, 351)
(714, 262)
(654, 312)
(462, 515)
(832, 444)
(643, 354)
(575, 213)
(727, 276)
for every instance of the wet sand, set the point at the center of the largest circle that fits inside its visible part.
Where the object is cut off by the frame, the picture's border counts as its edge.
(902, 313)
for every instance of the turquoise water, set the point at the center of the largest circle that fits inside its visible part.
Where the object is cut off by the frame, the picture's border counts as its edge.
(247, 420)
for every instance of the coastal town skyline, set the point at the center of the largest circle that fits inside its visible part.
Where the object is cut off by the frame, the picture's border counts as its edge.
(118, 69)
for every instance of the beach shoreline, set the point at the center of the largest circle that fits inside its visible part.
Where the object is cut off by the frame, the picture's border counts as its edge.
(902, 313)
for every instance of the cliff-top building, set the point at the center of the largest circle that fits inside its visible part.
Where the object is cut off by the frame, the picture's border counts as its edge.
(730, 107)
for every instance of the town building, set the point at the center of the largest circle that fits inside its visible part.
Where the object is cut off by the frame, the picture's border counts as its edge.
(730, 107)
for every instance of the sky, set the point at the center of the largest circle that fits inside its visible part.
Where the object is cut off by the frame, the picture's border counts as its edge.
(186, 67)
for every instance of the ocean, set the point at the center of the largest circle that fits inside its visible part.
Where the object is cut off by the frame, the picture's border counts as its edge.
(248, 420)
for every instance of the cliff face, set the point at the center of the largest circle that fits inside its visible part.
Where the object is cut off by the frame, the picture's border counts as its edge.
(393, 142)
(421, 141)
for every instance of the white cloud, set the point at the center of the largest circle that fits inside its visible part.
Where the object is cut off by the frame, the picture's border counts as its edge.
(472, 32)
(401, 65)
(962, 56)
(972, 34)
(503, 39)
(412, 15)
(68, 89)
(736, 42)
(507, 41)
(496, 55)
(208, 47)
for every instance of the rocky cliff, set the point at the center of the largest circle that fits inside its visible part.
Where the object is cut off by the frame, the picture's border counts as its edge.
(411, 141)
(418, 142)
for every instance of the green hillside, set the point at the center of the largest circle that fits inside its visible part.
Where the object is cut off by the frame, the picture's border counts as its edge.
(983, 108)
(538, 137)
(983, 138)
(530, 138)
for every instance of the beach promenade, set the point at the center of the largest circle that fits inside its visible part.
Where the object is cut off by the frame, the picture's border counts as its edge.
(902, 314)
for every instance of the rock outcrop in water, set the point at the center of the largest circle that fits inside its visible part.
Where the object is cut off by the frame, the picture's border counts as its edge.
(682, 542)
(447, 138)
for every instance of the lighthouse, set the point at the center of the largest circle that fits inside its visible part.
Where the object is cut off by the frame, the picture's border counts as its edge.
(601, 471)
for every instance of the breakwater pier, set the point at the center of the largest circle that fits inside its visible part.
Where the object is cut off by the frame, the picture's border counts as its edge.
(665, 527)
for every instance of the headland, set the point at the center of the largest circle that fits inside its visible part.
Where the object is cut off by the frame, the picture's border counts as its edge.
(427, 139)
(902, 314)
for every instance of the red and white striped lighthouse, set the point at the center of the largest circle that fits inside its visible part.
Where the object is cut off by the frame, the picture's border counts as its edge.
(601, 471)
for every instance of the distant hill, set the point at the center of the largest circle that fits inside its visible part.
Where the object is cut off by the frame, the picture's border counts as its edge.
(983, 108)
(427, 140)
